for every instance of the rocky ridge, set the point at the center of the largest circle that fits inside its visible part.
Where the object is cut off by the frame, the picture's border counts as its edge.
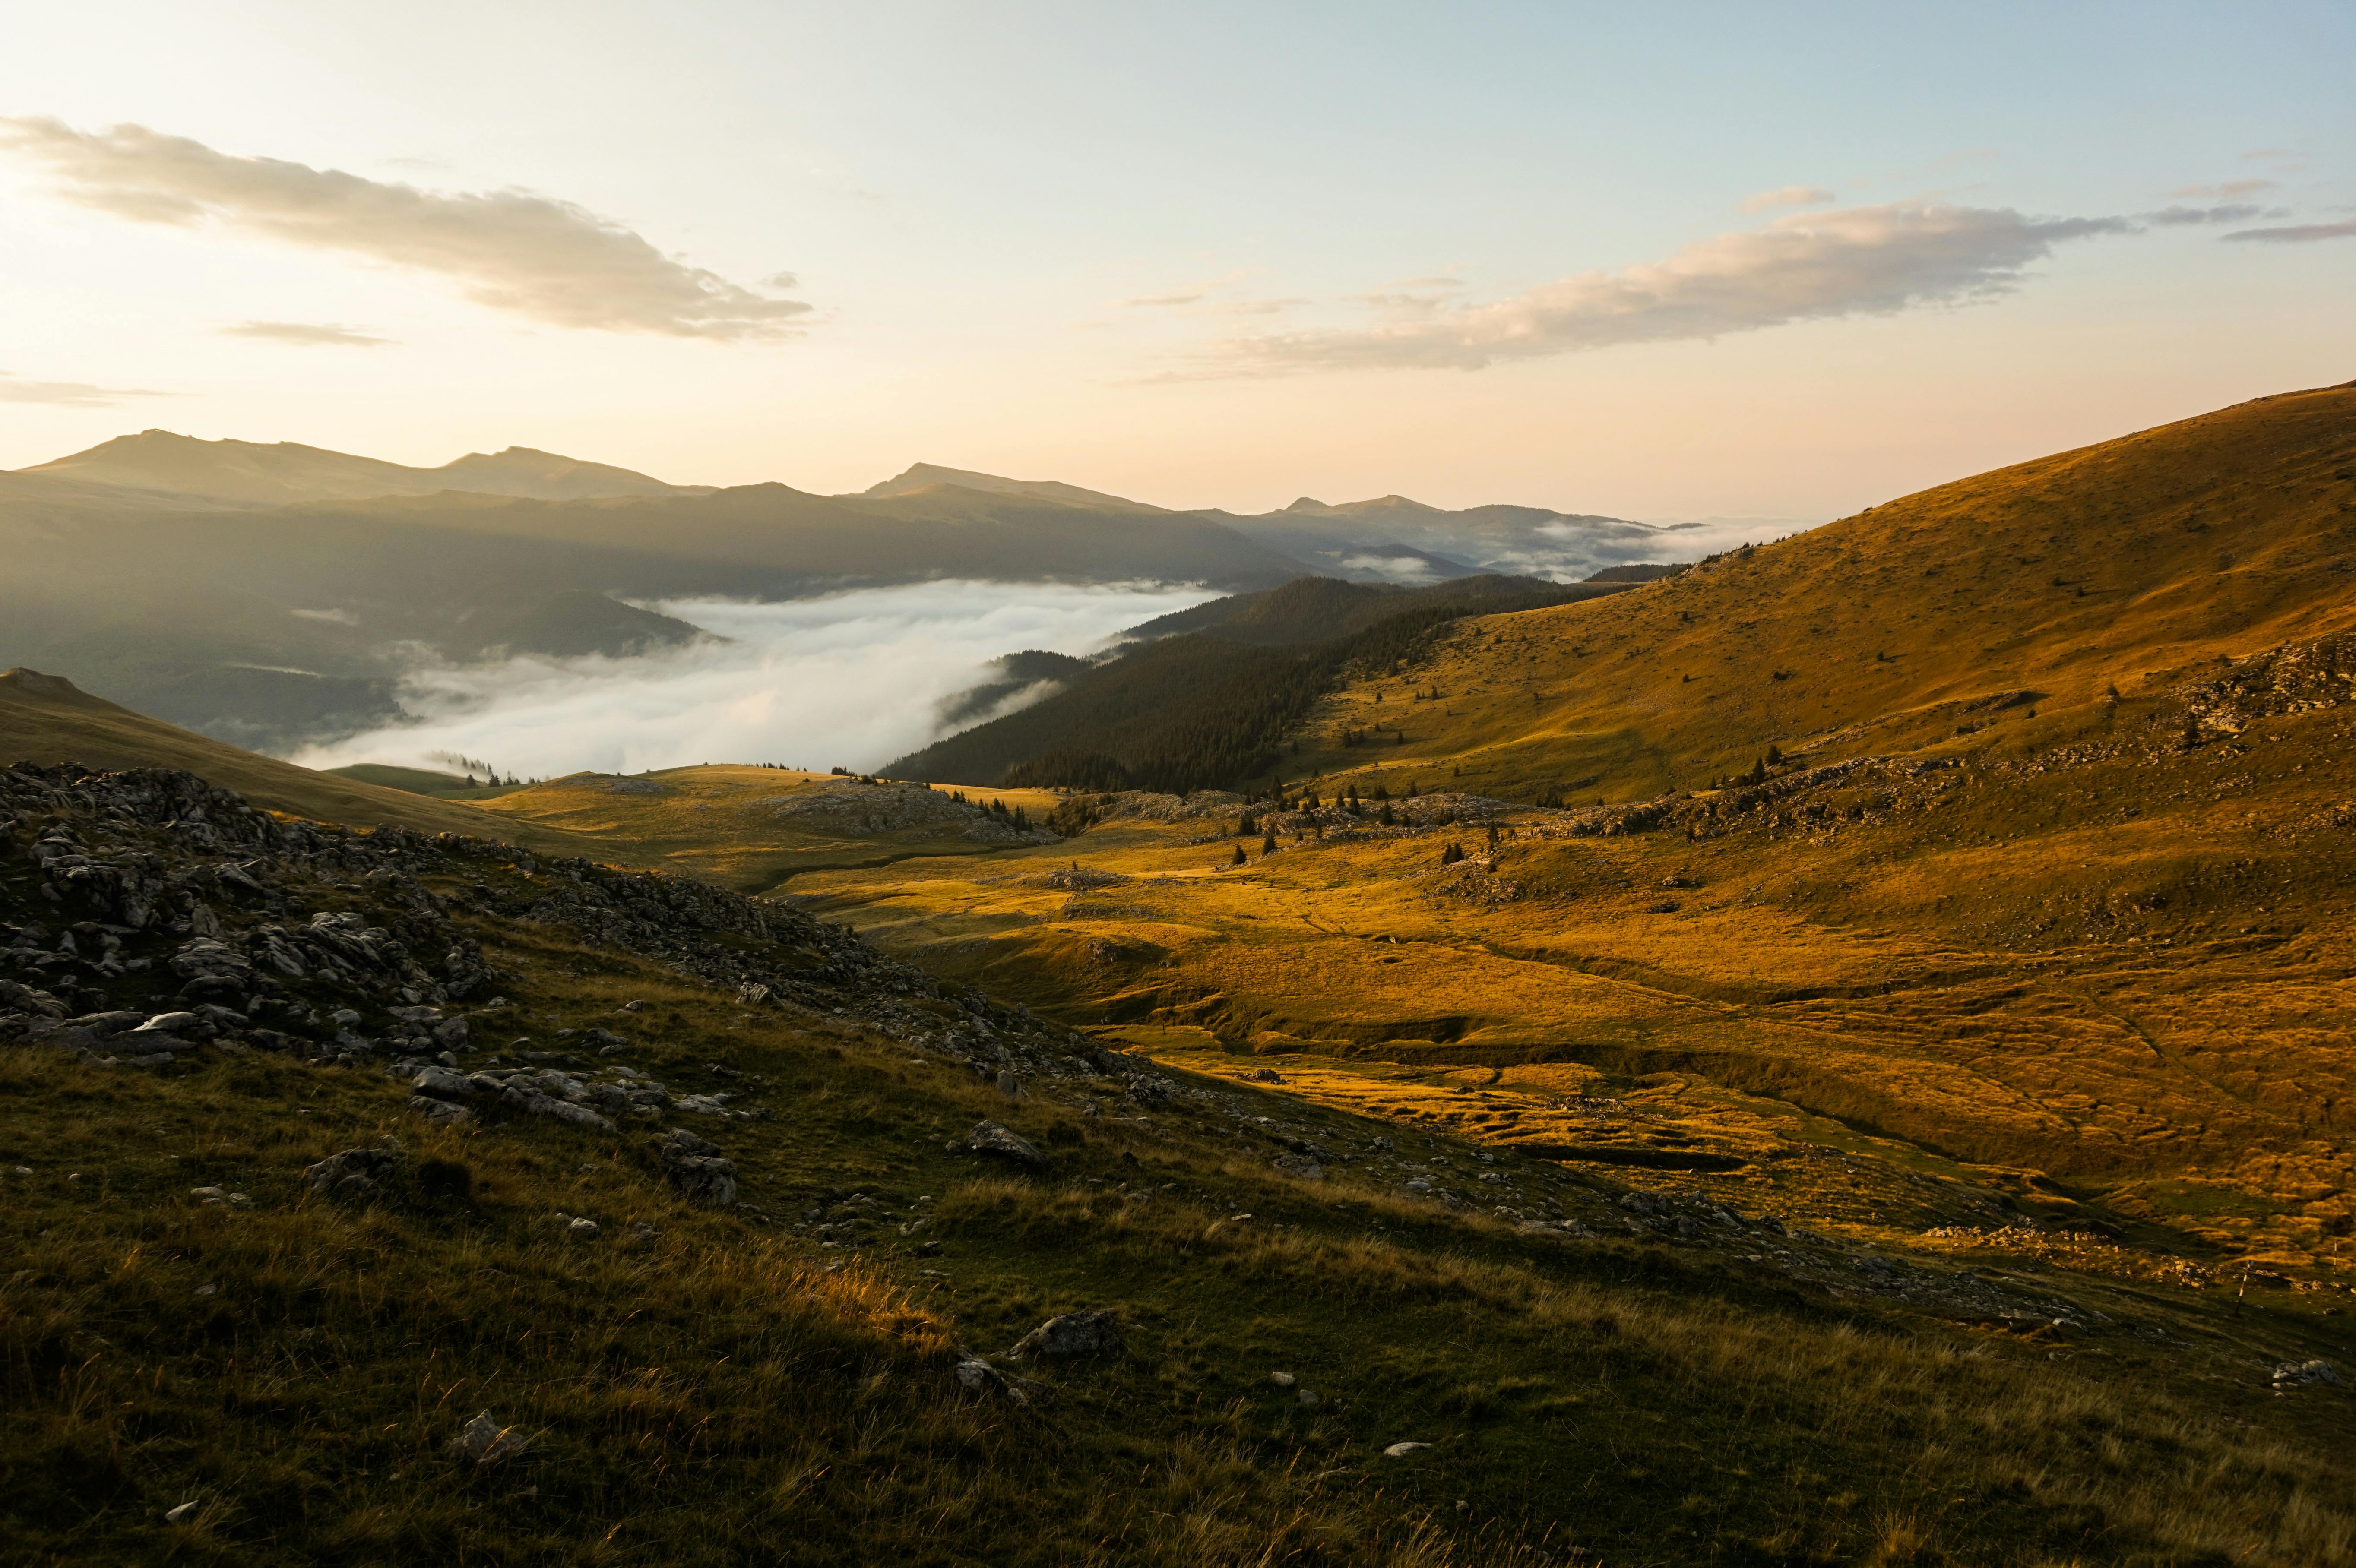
(147, 915)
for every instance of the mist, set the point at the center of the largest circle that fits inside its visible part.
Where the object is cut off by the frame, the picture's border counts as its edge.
(851, 680)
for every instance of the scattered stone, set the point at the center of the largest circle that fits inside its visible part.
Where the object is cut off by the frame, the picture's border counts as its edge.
(439, 1112)
(1300, 1166)
(353, 1173)
(218, 1197)
(1308, 1397)
(174, 1515)
(697, 1170)
(1263, 1075)
(1010, 1086)
(992, 1139)
(582, 1229)
(484, 1442)
(2293, 1373)
(1089, 1333)
(1401, 1450)
(1282, 1379)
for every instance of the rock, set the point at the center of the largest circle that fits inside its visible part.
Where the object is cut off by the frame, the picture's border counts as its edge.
(1419, 1185)
(1008, 1086)
(582, 1229)
(174, 1515)
(697, 1170)
(2293, 1373)
(1307, 1397)
(483, 1441)
(451, 1034)
(441, 1084)
(1282, 1379)
(441, 1113)
(972, 1372)
(1263, 1075)
(1401, 1450)
(1300, 1166)
(221, 1197)
(1150, 1092)
(1089, 1333)
(354, 1171)
(991, 1138)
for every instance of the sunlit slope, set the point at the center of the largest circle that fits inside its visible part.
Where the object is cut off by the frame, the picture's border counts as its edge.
(47, 718)
(2128, 564)
(752, 827)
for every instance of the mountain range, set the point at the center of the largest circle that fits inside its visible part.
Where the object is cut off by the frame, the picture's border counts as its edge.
(277, 595)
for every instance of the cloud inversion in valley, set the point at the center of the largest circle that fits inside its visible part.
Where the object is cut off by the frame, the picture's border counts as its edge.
(512, 250)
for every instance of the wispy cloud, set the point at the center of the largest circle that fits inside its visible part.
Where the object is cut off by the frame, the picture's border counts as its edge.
(2297, 233)
(2226, 190)
(1865, 261)
(306, 333)
(514, 251)
(2184, 216)
(1787, 196)
(68, 394)
(1185, 293)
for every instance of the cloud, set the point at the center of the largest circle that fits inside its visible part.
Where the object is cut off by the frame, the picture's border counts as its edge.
(2297, 233)
(510, 249)
(1185, 293)
(68, 394)
(2228, 189)
(855, 679)
(1865, 260)
(1187, 296)
(1787, 196)
(2178, 216)
(306, 333)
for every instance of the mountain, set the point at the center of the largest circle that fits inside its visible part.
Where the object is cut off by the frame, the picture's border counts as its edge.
(281, 625)
(577, 623)
(923, 476)
(46, 719)
(1393, 539)
(1388, 540)
(1211, 696)
(246, 473)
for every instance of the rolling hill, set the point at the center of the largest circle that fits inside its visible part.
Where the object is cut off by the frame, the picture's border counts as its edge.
(45, 719)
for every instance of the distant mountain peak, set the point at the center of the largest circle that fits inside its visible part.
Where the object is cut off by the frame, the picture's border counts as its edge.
(286, 473)
(920, 476)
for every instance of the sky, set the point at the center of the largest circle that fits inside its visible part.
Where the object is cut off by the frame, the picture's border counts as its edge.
(1660, 261)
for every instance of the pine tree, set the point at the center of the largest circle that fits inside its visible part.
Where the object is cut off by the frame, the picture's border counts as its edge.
(1239, 856)
(1267, 845)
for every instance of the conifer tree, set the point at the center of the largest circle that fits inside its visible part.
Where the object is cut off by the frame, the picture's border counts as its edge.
(1239, 855)
(1267, 845)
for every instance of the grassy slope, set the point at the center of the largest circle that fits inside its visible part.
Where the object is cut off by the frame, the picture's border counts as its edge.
(730, 1384)
(46, 719)
(2105, 973)
(715, 823)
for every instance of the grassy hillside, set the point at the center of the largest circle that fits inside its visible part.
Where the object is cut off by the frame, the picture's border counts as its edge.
(1219, 694)
(1339, 1340)
(1978, 917)
(752, 828)
(45, 719)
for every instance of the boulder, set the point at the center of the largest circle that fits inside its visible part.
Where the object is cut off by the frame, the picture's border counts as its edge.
(992, 1139)
(1302, 1166)
(356, 1171)
(697, 1170)
(1089, 1333)
(483, 1442)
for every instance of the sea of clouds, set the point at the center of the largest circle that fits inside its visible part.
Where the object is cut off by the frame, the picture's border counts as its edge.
(854, 679)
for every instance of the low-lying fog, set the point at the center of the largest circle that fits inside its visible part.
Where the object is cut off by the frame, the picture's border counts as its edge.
(852, 678)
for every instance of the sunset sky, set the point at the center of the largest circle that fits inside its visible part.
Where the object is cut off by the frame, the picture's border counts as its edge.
(1661, 263)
